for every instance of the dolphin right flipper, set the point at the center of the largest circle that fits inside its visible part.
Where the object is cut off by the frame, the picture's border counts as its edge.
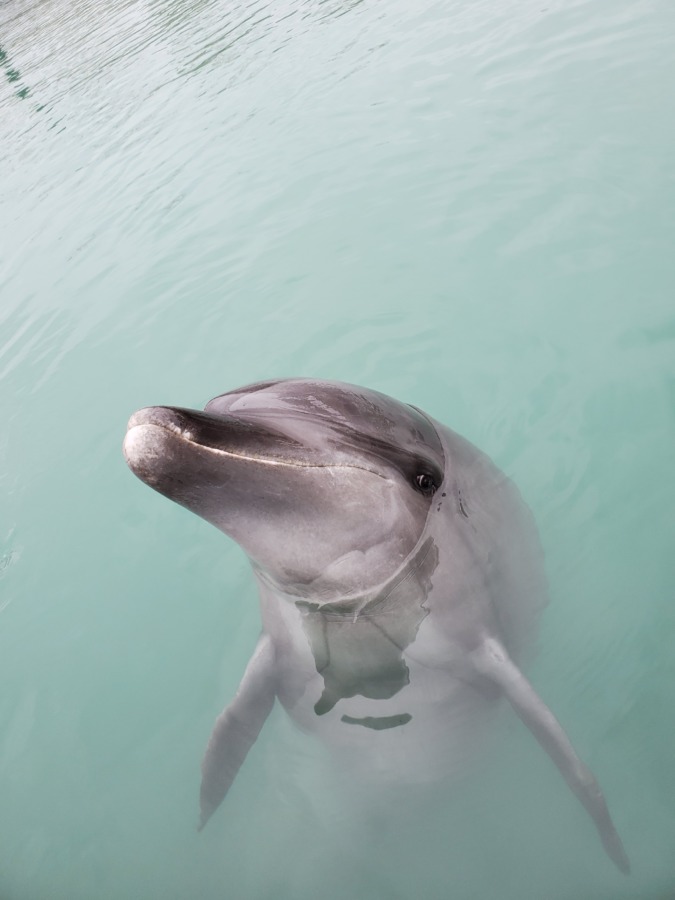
(237, 728)
(492, 661)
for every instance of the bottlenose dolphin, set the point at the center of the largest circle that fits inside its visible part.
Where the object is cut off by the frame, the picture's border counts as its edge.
(399, 574)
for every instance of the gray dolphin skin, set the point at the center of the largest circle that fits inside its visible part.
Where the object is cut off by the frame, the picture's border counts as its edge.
(399, 573)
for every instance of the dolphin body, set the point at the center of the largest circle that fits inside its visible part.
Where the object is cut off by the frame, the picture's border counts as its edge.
(399, 574)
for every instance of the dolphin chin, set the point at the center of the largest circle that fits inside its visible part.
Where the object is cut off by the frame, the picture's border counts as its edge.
(399, 572)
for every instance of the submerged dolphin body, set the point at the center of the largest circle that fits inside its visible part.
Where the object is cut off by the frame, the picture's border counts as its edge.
(399, 576)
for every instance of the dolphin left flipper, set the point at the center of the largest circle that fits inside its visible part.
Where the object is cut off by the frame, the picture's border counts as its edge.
(492, 661)
(237, 728)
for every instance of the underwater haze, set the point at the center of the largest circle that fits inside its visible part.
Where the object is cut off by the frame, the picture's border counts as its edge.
(469, 206)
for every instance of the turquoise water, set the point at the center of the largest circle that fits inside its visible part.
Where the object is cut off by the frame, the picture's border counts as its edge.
(468, 206)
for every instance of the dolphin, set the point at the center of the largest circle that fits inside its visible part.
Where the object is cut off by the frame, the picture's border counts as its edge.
(399, 572)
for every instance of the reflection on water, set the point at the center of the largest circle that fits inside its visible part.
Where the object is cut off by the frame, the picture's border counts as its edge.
(13, 76)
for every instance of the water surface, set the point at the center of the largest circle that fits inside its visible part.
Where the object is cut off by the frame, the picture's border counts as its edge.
(469, 206)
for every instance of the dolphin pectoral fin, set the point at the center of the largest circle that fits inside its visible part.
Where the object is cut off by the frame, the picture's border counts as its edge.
(237, 728)
(492, 661)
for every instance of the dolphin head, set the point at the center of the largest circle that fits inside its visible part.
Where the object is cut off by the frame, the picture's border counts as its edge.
(327, 487)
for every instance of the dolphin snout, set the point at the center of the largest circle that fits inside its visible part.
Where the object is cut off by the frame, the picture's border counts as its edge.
(161, 416)
(147, 444)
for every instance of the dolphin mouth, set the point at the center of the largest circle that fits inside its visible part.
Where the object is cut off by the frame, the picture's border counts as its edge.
(221, 435)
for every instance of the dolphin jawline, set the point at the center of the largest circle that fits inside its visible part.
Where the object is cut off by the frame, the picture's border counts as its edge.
(185, 435)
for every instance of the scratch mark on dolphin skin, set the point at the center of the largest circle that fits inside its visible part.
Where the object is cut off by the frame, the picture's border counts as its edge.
(379, 723)
(462, 508)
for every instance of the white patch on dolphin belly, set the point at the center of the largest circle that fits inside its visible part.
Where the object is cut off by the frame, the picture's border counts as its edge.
(446, 726)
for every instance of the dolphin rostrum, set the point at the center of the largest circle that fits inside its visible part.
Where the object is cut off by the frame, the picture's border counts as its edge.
(399, 574)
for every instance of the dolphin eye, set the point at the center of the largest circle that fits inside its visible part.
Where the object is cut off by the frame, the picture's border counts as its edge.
(425, 484)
